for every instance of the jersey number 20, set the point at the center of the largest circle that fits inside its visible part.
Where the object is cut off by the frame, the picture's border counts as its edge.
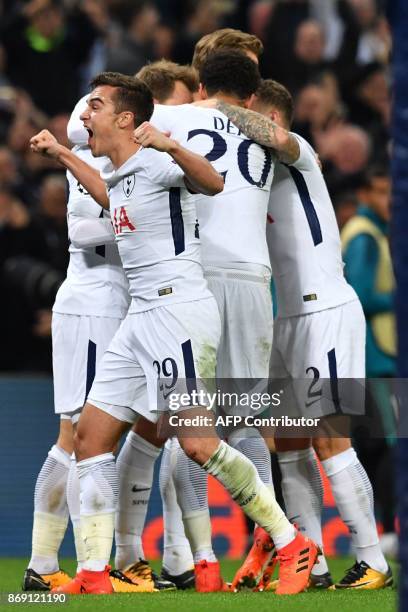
(220, 148)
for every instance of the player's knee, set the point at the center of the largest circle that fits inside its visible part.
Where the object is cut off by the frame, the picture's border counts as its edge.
(148, 431)
(193, 447)
(65, 437)
(82, 446)
(78, 444)
(329, 447)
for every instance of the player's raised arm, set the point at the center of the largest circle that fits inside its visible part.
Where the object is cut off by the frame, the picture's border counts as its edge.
(46, 144)
(262, 130)
(200, 176)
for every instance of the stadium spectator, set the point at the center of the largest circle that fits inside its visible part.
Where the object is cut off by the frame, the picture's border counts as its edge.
(31, 270)
(202, 18)
(52, 219)
(133, 47)
(318, 108)
(369, 105)
(339, 28)
(308, 61)
(369, 270)
(345, 206)
(50, 45)
(374, 42)
(345, 152)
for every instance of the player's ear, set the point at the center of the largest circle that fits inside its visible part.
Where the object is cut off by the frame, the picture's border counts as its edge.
(275, 116)
(202, 92)
(248, 103)
(125, 119)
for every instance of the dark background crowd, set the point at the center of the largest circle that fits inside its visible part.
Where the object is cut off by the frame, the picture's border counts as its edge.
(332, 55)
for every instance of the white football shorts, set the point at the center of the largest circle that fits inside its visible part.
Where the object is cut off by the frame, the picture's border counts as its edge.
(321, 352)
(245, 305)
(171, 346)
(78, 343)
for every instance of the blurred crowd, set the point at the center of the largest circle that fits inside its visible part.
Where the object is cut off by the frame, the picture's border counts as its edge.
(331, 54)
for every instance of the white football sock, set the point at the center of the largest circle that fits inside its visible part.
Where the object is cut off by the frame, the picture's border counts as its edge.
(98, 485)
(135, 468)
(190, 481)
(74, 512)
(302, 489)
(50, 512)
(250, 443)
(177, 557)
(240, 478)
(353, 494)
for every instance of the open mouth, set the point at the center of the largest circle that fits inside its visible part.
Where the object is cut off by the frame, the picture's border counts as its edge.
(90, 135)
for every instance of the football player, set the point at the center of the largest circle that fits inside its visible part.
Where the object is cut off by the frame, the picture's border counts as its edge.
(319, 334)
(160, 255)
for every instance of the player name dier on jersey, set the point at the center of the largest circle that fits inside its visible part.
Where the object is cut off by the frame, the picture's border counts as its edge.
(156, 230)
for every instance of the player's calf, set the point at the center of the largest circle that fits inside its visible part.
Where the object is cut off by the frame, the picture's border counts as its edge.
(240, 478)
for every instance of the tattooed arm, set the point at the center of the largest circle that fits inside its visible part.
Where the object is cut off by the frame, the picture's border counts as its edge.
(262, 130)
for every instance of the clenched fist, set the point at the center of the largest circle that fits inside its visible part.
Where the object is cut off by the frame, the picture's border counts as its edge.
(150, 137)
(46, 144)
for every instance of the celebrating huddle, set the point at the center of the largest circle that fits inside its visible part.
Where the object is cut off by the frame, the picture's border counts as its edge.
(182, 198)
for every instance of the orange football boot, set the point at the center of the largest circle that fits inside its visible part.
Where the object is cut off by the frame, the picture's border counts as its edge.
(266, 583)
(208, 577)
(296, 562)
(251, 572)
(88, 582)
(44, 582)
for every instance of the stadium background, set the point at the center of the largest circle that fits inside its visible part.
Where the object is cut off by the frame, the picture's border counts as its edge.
(331, 54)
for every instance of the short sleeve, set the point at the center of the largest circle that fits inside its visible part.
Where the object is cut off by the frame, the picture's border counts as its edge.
(173, 119)
(76, 132)
(162, 169)
(85, 233)
(307, 159)
(164, 117)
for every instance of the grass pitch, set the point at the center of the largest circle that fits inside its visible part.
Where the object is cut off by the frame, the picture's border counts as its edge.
(11, 574)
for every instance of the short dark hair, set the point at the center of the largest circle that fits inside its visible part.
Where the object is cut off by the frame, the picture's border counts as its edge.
(231, 72)
(272, 93)
(371, 173)
(161, 76)
(131, 94)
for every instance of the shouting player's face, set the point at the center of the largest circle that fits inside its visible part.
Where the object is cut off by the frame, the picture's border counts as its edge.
(100, 120)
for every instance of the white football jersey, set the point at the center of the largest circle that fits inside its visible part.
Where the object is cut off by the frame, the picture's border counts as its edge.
(232, 223)
(96, 284)
(156, 231)
(303, 239)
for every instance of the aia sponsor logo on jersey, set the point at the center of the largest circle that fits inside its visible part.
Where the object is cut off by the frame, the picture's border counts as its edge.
(120, 221)
(128, 184)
